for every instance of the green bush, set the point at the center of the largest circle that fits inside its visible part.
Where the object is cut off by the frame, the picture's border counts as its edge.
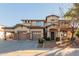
(77, 33)
(40, 40)
(47, 39)
(57, 38)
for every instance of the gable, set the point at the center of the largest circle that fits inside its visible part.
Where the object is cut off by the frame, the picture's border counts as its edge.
(21, 28)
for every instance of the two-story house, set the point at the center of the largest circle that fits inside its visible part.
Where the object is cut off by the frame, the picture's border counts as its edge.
(34, 29)
(28, 29)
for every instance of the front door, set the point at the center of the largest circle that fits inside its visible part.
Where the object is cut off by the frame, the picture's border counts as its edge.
(52, 35)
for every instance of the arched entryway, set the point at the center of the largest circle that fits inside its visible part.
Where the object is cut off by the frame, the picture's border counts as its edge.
(9, 35)
(53, 33)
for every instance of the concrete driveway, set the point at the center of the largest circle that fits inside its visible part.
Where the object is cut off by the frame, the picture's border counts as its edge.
(19, 48)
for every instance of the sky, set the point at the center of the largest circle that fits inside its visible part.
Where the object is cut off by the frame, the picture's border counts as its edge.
(12, 14)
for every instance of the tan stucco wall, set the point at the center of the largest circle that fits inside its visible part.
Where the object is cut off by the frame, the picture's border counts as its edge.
(37, 30)
(30, 23)
(8, 30)
(51, 17)
(1, 33)
(27, 24)
(21, 29)
(33, 23)
(69, 34)
(51, 20)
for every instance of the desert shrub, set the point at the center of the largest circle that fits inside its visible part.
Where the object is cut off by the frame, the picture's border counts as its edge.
(77, 33)
(57, 38)
(47, 39)
(40, 40)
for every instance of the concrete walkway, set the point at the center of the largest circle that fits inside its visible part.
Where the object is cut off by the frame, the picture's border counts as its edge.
(62, 52)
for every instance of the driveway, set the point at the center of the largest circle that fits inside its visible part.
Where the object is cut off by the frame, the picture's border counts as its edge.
(19, 47)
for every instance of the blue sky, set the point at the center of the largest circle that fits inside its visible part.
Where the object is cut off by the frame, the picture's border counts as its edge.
(11, 14)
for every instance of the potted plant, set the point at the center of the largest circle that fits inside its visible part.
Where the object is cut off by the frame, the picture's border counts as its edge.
(57, 38)
(47, 39)
(77, 33)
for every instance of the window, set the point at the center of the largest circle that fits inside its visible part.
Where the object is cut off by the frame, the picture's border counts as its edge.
(52, 19)
(40, 23)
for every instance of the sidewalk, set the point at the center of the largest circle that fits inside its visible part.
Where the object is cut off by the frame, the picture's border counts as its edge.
(51, 52)
(62, 52)
(24, 53)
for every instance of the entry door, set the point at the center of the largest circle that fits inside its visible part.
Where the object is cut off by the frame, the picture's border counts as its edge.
(52, 35)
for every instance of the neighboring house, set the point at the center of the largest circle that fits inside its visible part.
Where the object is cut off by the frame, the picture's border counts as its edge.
(34, 29)
(1, 32)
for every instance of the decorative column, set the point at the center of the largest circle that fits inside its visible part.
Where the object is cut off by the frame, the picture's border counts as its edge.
(18, 34)
(5, 35)
(48, 34)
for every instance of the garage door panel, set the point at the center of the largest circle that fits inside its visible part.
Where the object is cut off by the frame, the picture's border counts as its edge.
(22, 35)
(36, 35)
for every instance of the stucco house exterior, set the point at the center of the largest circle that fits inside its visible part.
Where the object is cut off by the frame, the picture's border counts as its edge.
(1, 32)
(28, 29)
(33, 29)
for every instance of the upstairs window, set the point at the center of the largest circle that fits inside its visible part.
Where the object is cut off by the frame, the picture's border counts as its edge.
(40, 23)
(52, 19)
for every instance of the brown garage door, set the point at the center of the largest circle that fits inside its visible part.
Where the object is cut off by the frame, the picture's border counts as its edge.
(36, 35)
(22, 35)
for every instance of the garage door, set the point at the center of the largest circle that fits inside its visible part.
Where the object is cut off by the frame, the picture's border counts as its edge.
(36, 35)
(22, 35)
